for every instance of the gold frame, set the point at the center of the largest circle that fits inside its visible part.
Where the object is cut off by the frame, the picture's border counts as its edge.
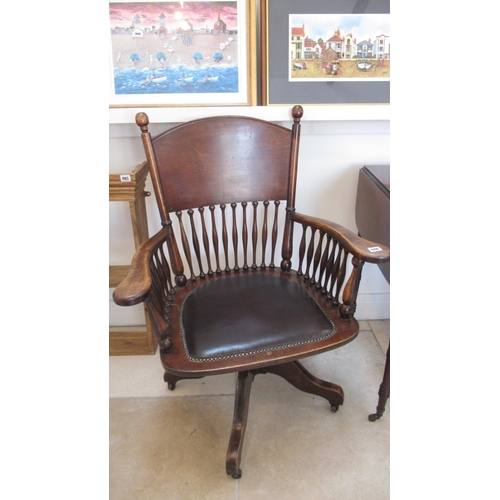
(246, 96)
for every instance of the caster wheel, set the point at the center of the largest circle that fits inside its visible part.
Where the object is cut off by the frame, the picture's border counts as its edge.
(236, 476)
(334, 408)
(171, 386)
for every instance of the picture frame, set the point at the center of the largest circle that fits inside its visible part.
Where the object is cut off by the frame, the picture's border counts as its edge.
(282, 84)
(182, 53)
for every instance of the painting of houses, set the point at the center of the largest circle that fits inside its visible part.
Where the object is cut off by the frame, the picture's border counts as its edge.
(329, 55)
(382, 47)
(365, 49)
(347, 46)
(298, 43)
(335, 43)
(313, 49)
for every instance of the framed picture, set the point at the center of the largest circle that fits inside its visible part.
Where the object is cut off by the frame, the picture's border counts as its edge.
(325, 53)
(182, 53)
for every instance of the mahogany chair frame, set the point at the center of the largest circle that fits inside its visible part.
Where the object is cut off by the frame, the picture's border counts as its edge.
(229, 184)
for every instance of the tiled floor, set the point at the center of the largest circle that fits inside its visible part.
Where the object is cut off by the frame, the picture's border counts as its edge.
(172, 445)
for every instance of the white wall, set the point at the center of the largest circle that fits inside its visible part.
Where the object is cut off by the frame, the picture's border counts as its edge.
(331, 154)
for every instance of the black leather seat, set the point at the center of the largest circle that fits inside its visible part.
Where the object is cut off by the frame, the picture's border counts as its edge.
(250, 313)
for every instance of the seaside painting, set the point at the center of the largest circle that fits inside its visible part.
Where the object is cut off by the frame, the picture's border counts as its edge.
(177, 53)
(326, 47)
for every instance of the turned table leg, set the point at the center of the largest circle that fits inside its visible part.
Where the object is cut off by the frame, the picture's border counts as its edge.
(384, 390)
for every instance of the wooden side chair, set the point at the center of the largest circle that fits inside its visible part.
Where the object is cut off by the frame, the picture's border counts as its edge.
(217, 300)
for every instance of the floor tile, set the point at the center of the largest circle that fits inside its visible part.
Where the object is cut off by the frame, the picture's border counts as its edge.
(170, 448)
(363, 325)
(381, 330)
(142, 376)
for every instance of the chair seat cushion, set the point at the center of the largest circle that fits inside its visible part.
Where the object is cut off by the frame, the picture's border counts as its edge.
(249, 313)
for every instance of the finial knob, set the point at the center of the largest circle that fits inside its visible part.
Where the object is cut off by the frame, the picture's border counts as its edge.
(142, 120)
(297, 112)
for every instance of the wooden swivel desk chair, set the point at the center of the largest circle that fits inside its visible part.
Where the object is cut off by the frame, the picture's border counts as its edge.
(218, 303)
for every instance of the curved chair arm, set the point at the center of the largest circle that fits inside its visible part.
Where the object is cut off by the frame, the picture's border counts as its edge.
(326, 263)
(357, 246)
(135, 288)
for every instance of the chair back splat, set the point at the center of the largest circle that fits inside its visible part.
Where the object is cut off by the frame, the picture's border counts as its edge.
(219, 296)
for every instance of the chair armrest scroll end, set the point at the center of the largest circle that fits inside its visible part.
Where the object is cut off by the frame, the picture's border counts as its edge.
(122, 297)
(132, 290)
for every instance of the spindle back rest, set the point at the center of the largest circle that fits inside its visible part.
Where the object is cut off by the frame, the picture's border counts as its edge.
(228, 180)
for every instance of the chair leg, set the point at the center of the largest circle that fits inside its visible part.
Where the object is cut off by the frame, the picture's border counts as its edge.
(241, 403)
(295, 373)
(384, 390)
(173, 379)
